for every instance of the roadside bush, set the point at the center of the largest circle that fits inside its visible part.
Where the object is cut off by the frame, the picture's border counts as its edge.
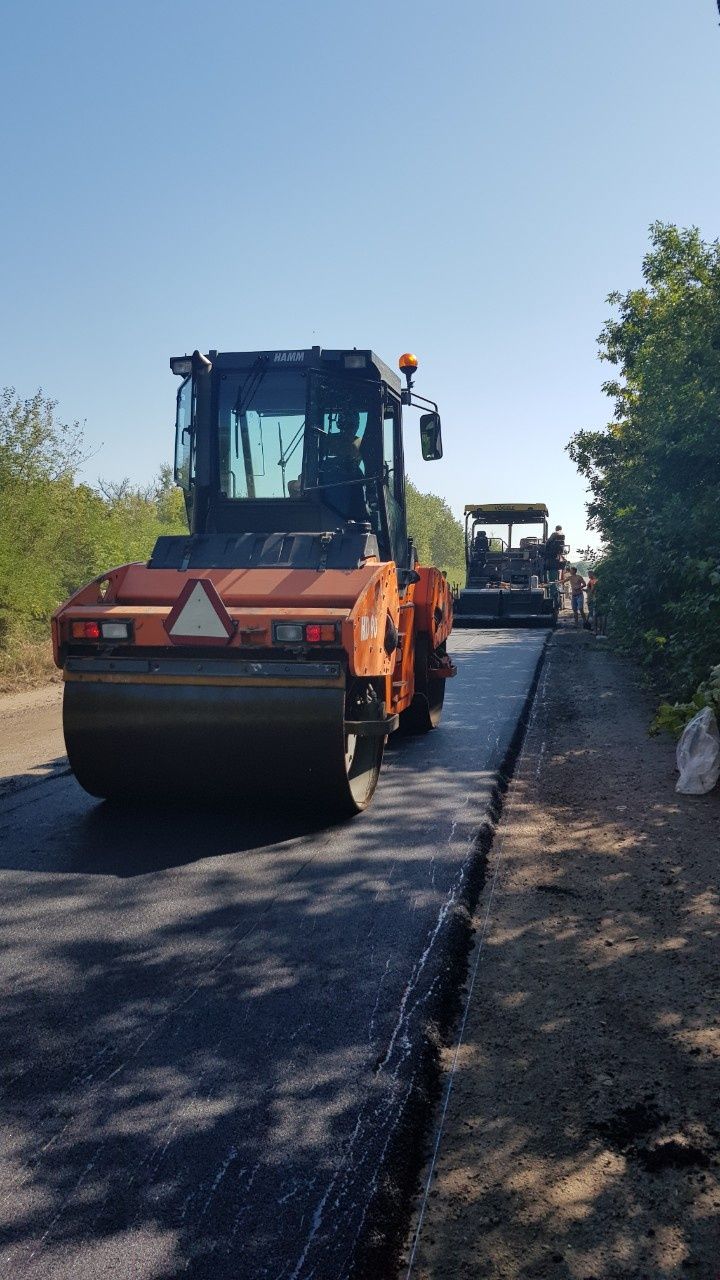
(438, 536)
(56, 533)
(654, 471)
(673, 717)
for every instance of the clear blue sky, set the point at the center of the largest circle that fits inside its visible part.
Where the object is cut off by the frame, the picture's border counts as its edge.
(466, 180)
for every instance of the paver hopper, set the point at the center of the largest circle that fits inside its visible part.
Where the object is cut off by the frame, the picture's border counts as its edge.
(270, 651)
(506, 578)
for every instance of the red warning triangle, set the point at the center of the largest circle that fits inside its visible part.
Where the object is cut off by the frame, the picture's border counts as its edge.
(199, 616)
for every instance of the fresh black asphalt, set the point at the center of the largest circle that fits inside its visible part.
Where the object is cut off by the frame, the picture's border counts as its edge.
(211, 1023)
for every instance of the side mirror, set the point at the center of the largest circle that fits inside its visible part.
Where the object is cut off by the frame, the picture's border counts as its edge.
(430, 437)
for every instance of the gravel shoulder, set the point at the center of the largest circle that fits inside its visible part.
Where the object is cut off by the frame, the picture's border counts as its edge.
(582, 1134)
(31, 740)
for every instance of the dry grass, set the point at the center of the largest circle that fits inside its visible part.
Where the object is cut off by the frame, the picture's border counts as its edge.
(26, 664)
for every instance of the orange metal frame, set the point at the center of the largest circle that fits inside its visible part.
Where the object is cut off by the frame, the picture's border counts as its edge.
(364, 601)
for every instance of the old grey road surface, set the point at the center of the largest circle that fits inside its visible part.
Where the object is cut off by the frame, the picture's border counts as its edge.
(211, 1022)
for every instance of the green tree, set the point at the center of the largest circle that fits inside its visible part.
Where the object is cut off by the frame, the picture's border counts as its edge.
(437, 535)
(654, 471)
(39, 457)
(33, 444)
(55, 533)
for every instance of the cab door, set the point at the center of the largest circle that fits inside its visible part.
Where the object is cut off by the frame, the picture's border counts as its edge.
(185, 444)
(394, 477)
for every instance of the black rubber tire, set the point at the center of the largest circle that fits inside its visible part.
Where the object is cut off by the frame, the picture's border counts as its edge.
(425, 710)
(362, 776)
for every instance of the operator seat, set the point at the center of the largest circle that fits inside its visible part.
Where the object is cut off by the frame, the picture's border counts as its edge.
(341, 461)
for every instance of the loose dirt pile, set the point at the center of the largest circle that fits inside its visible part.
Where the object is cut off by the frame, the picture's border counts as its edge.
(582, 1138)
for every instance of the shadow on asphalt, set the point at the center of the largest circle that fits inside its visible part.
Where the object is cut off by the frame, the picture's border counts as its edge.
(207, 1057)
(174, 838)
(213, 1060)
(47, 771)
(125, 840)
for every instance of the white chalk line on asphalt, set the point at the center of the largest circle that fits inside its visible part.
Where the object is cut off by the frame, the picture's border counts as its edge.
(537, 704)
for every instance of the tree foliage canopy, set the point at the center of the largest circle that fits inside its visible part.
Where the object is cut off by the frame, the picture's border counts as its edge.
(654, 472)
(437, 535)
(55, 533)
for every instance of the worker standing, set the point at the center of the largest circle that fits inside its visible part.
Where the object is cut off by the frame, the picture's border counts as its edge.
(554, 548)
(480, 548)
(577, 598)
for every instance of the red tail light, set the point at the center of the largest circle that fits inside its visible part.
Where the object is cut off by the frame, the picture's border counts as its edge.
(86, 630)
(304, 632)
(320, 632)
(101, 630)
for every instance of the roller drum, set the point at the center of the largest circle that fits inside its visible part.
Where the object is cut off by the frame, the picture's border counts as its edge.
(267, 744)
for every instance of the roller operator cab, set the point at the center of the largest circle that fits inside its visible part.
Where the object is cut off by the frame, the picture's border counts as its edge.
(270, 651)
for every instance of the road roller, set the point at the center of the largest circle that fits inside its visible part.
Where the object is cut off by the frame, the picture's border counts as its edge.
(506, 577)
(267, 654)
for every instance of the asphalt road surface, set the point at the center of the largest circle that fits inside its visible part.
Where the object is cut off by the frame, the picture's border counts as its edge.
(211, 1023)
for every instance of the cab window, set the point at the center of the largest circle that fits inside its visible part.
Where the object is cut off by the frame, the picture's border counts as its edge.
(392, 458)
(184, 450)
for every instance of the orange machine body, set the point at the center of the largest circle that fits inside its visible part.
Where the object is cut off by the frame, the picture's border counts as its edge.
(376, 624)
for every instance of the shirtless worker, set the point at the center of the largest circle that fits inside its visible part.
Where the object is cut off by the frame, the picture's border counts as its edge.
(577, 599)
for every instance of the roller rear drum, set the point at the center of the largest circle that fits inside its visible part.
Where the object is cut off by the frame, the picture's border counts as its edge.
(285, 746)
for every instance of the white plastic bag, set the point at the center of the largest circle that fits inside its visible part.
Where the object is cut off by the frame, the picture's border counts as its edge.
(698, 755)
